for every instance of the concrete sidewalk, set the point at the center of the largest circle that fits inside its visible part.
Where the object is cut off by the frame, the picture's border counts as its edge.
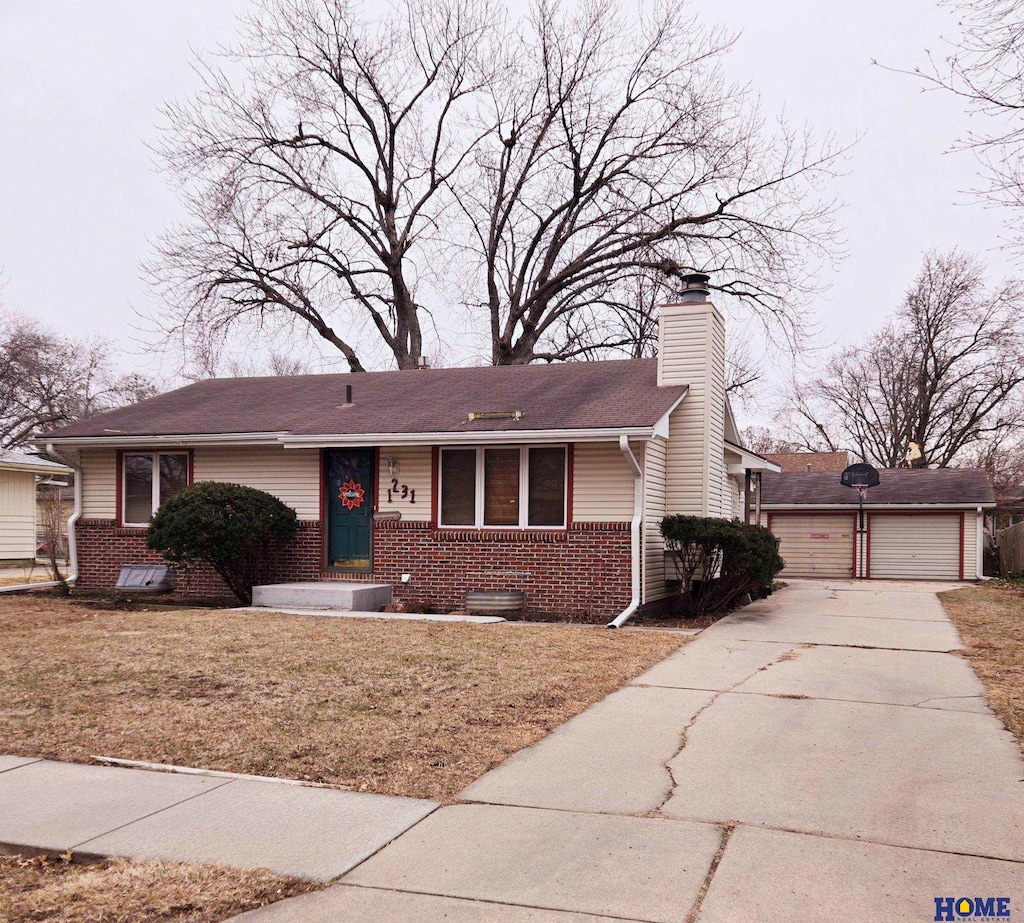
(820, 755)
(313, 833)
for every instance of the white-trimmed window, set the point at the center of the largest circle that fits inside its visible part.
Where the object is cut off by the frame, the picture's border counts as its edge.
(149, 479)
(510, 487)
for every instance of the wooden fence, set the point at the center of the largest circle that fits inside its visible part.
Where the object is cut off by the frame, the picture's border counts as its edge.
(1011, 550)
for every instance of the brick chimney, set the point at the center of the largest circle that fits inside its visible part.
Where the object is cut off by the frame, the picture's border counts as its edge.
(691, 351)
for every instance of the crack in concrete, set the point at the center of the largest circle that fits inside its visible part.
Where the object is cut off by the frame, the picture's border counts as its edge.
(944, 698)
(486, 901)
(727, 830)
(673, 782)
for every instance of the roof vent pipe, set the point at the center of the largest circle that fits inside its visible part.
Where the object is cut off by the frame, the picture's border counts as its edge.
(348, 394)
(695, 287)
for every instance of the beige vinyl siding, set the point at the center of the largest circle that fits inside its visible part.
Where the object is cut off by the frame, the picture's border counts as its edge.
(99, 483)
(602, 482)
(654, 511)
(691, 351)
(915, 547)
(734, 488)
(414, 472)
(815, 546)
(291, 475)
(974, 523)
(17, 515)
(718, 500)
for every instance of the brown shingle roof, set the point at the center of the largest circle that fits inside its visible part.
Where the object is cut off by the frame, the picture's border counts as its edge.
(573, 395)
(951, 486)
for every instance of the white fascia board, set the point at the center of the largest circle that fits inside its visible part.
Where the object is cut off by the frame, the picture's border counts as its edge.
(28, 467)
(329, 440)
(873, 507)
(732, 432)
(482, 437)
(661, 427)
(750, 461)
(115, 441)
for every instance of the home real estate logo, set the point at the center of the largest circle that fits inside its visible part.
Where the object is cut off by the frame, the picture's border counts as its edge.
(972, 908)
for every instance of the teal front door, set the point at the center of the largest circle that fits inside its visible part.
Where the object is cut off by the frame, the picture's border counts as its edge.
(349, 474)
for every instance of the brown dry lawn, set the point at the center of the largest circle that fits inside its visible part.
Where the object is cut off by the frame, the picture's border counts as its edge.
(122, 891)
(16, 578)
(403, 708)
(991, 622)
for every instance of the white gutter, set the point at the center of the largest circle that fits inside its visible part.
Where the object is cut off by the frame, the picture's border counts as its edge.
(331, 440)
(634, 533)
(183, 439)
(478, 437)
(72, 542)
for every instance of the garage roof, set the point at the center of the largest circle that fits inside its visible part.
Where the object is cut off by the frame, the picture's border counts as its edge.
(898, 487)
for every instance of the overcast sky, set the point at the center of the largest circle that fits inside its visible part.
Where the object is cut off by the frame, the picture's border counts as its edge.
(80, 198)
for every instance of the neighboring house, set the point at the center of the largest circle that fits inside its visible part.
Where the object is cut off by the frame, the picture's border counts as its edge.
(820, 462)
(1009, 508)
(551, 479)
(19, 475)
(920, 523)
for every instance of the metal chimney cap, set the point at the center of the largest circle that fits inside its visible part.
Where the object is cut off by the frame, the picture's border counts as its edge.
(695, 287)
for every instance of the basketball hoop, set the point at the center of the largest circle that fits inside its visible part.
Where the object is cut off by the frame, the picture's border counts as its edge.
(861, 477)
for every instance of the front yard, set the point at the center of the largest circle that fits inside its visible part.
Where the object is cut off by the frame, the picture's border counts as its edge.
(402, 708)
(119, 891)
(991, 622)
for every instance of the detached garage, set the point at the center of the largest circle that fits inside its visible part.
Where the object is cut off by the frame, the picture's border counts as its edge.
(920, 524)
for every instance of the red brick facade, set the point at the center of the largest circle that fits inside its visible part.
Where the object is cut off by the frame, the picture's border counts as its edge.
(580, 573)
(103, 546)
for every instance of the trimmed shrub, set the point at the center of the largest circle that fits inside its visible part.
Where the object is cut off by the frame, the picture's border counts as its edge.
(720, 561)
(234, 529)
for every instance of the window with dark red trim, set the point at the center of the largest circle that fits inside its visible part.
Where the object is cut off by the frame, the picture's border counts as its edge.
(513, 487)
(148, 480)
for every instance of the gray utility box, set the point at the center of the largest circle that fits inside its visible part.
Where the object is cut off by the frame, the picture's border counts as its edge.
(146, 578)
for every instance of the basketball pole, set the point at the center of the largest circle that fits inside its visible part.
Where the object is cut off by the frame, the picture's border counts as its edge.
(862, 530)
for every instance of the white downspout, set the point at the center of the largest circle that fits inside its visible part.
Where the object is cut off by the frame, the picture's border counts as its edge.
(75, 516)
(979, 530)
(72, 543)
(634, 534)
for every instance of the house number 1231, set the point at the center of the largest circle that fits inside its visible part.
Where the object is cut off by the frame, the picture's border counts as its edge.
(403, 491)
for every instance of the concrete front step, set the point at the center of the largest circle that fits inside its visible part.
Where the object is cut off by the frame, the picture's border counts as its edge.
(333, 594)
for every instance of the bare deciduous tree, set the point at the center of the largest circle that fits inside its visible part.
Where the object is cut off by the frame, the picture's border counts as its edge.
(619, 151)
(945, 373)
(53, 506)
(545, 170)
(311, 179)
(984, 67)
(1003, 461)
(765, 441)
(48, 380)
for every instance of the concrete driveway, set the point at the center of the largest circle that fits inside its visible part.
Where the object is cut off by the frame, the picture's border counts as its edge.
(821, 755)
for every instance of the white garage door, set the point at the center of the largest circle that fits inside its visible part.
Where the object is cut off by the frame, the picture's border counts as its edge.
(815, 546)
(915, 547)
